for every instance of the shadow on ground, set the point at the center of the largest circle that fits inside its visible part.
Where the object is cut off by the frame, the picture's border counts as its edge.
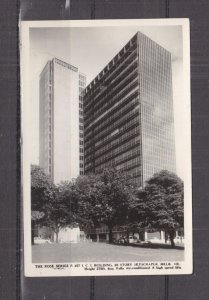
(152, 246)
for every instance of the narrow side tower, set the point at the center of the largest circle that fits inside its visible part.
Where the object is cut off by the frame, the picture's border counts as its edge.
(60, 87)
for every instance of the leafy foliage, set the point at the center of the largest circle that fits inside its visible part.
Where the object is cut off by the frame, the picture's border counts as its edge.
(138, 212)
(105, 198)
(110, 199)
(164, 202)
(42, 192)
(51, 205)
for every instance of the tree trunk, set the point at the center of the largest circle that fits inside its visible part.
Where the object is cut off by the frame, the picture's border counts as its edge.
(110, 235)
(172, 242)
(57, 235)
(172, 235)
(127, 236)
(141, 235)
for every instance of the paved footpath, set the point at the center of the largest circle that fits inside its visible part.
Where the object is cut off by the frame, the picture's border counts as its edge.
(100, 252)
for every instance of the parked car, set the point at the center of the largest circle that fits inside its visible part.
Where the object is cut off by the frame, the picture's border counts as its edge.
(132, 240)
(179, 240)
(121, 240)
(38, 240)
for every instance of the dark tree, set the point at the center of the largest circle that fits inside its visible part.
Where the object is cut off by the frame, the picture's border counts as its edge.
(42, 192)
(51, 205)
(105, 199)
(64, 209)
(86, 191)
(139, 214)
(164, 203)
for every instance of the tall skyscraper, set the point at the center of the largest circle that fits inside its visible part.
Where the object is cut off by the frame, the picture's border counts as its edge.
(82, 85)
(61, 120)
(128, 112)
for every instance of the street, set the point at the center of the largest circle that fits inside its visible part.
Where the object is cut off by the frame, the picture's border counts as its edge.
(100, 252)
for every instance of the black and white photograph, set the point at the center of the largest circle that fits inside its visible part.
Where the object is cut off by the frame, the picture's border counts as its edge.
(106, 147)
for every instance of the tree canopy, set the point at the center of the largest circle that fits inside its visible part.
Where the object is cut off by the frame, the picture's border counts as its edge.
(42, 192)
(105, 198)
(110, 199)
(164, 193)
(52, 205)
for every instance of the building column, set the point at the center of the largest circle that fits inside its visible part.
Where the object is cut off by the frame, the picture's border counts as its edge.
(177, 235)
(145, 235)
(97, 238)
(107, 237)
(162, 235)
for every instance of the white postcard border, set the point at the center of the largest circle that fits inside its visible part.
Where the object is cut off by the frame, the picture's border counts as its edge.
(88, 269)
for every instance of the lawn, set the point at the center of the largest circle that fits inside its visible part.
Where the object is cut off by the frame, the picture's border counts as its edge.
(101, 252)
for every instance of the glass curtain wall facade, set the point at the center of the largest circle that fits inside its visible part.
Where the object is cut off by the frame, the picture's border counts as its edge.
(82, 85)
(157, 126)
(60, 120)
(128, 112)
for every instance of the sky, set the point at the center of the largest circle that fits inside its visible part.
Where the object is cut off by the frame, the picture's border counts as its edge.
(90, 49)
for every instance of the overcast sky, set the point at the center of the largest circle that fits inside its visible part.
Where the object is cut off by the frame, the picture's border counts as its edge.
(90, 49)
